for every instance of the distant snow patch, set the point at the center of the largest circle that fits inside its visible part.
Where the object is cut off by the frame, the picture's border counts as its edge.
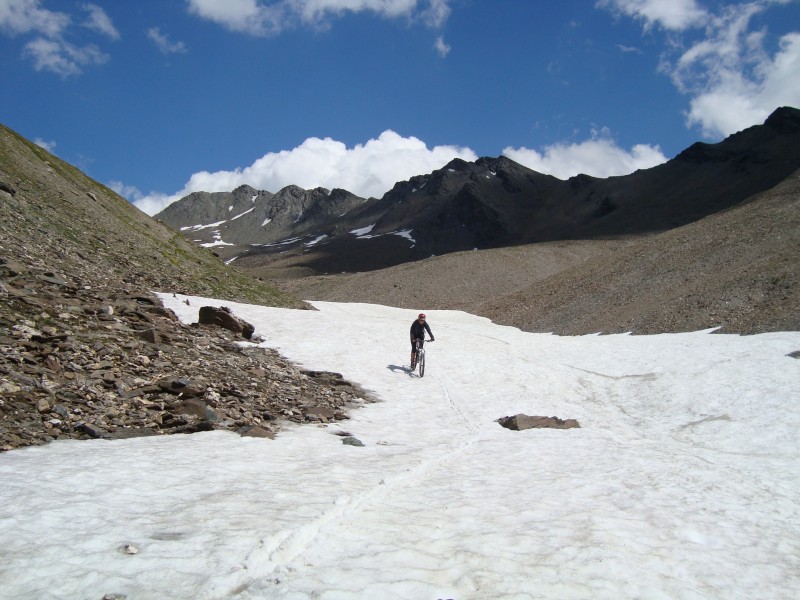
(243, 214)
(282, 242)
(266, 221)
(406, 233)
(199, 227)
(315, 241)
(363, 231)
(217, 241)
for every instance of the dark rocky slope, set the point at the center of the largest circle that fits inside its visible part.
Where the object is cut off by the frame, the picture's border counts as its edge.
(738, 269)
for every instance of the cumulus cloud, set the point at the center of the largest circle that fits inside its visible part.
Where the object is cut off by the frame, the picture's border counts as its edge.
(731, 76)
(25, 16)
(256, 17)
(733, 80)
(369, 169)
(164, 44)
(674, 15)
(49, 50)
(599, 156)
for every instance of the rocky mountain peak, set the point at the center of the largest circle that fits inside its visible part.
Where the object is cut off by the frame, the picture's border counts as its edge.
(245, 190)
(784, 120)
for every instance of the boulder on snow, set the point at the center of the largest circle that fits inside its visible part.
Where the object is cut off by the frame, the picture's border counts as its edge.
(522, 421)
(223, 317)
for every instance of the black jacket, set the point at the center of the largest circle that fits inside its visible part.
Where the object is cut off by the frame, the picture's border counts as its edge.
(418, 331)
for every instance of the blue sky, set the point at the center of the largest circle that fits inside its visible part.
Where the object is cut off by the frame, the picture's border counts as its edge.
(158, 98)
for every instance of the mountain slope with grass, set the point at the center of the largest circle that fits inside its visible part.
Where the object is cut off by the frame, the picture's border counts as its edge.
(51, 212)
(86, 348)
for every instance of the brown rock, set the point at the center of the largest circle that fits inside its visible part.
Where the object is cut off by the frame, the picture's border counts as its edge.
(149, 335)
(522, 421)
(319, 412)
(223, 317)
(197, 408)
(256, 431)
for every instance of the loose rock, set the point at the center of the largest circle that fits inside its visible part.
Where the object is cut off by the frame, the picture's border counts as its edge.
(522, 421)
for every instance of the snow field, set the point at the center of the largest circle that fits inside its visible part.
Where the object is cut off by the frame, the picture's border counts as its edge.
(683, 481)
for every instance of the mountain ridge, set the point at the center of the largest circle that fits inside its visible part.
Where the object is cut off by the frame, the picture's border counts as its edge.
(495, 202)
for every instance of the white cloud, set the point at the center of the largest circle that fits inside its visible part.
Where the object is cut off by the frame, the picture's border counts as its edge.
(49, 50)
(258, 18)
(674, 15)
(50, 146)
(437, 13)
(732, 79)
(61, 57)
(628, 49)
(599, 156)
(99, 21)
(126, 191)
(369, 169)
(25, 16)
(248, 16)
(441, 47)
(164, 44)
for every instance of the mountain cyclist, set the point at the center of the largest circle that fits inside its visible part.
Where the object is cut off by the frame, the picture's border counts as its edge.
(418, 329)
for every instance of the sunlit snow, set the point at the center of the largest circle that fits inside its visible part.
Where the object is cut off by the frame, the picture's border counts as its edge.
(199, 227)
(243, 214)
(363, 230)
(406, 233)
(216, 242)
(682, 482)
(315, 241)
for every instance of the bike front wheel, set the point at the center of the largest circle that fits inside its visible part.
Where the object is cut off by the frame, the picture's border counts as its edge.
(422, 364)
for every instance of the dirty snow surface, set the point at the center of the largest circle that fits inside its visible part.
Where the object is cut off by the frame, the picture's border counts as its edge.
(682, 482)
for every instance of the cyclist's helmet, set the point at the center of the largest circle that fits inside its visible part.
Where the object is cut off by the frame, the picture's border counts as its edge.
(421, 316)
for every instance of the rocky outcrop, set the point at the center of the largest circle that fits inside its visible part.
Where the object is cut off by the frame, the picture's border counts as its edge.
(223, 317)
(521, 421)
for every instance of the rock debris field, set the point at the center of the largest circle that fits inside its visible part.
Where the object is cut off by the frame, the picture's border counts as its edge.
(81, 361)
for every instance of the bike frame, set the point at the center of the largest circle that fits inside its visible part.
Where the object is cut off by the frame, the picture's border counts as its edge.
(419, 350)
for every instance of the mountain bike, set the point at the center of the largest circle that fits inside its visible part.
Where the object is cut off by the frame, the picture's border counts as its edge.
(419, 357)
